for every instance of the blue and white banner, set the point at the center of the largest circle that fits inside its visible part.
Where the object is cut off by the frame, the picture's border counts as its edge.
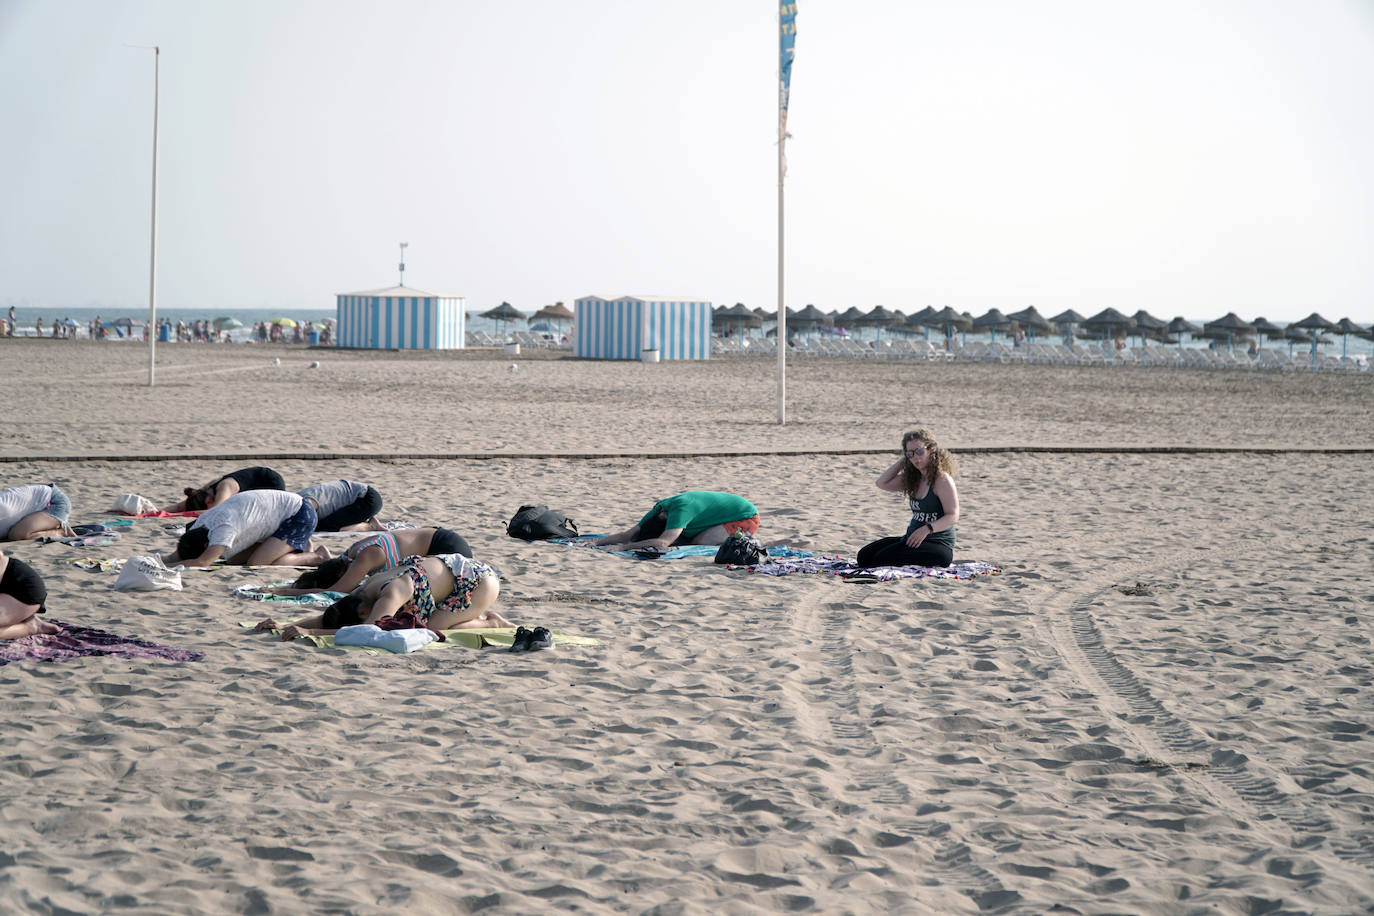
(787, 21)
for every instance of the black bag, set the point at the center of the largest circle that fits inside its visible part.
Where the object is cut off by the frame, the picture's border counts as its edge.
(741, 549)
(540, 523)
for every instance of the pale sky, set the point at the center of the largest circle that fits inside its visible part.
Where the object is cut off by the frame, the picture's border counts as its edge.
(1187, 157)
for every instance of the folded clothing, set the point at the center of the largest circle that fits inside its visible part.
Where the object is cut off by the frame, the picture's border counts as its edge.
(367, 634)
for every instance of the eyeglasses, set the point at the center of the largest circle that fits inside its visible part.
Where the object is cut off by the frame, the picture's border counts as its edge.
(916, 452)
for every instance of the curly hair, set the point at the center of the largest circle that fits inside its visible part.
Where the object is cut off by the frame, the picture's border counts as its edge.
(941, 462)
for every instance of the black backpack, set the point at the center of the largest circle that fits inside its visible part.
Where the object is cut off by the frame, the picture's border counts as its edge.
(741, 549)
(540, 523)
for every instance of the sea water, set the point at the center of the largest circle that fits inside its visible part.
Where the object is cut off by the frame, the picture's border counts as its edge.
(25, 318)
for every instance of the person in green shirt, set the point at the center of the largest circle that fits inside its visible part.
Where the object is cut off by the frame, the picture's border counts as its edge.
(693, 517)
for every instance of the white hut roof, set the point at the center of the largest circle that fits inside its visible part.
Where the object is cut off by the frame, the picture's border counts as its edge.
(402, 292)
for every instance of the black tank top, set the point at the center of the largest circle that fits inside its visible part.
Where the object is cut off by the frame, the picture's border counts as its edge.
(255, 478)
(928, 509)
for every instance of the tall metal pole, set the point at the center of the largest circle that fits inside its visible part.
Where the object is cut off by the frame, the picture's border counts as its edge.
(782, 309)
(152, 267)
(402, 281)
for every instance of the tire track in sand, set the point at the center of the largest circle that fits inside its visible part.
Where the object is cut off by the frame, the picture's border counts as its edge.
(1219, 772)
(832, 685)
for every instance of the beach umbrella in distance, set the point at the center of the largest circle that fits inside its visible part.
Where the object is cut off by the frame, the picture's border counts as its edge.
(949, 320)
(1314, 323)
(1148, 324)
(740, 316)
(558, 314)
(807, 317)
(1228, 326)
(1107, 322)
(849, 317)
(878, 319)
(284, 322)
(1347, 327)
(918, 321)
(1032, 321)
(1180, 326)
(1263, 327)
(504, 313)
(1067, 321)
(991, 321)
(226, 323)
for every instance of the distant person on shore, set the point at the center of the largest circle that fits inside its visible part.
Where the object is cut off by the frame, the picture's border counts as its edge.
(220, 489)
(32, 510)
(10, 329)
(345, 505)
(255, 528)
(23, 596)
(925, 474)
(38, 326)
(444, 592)
(377, 553)
(693, 517)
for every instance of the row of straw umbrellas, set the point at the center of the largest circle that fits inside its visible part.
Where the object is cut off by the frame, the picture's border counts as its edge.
(1106, 324)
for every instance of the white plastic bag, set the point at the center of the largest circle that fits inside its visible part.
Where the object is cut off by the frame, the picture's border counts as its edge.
(133, 504)
(145, 574)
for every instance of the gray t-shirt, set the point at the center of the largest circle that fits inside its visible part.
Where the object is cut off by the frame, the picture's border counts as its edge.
(246, 518)
(332, 496)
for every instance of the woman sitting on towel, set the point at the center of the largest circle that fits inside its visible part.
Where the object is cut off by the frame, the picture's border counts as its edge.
(22, 598)
(221, 488)
(444, 592)
(35, 509)
(345, 505)
(925, 473)
(256, 528)
(380, 551)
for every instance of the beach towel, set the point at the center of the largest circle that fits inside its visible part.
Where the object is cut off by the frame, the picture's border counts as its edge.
(469, 639)
(155, 513)
(677, 553)
(108, 564)
(260, 593)
(76, 641)
(848, 569)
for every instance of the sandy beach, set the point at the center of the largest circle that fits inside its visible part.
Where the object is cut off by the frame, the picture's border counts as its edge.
(1164, 703)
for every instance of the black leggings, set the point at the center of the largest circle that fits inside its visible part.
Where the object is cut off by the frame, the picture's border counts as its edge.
(360, 510)
(894, 552)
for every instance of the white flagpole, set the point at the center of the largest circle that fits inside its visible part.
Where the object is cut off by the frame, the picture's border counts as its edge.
(152, 266)
(782, 309)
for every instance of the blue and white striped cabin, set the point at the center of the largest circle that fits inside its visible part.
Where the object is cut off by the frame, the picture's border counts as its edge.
(400, 318)
(622, 328)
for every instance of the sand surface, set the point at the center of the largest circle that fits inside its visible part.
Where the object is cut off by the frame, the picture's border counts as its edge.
(1163, 704)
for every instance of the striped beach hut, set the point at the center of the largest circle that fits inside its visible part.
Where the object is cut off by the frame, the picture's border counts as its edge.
(626, 327)
(400, 318)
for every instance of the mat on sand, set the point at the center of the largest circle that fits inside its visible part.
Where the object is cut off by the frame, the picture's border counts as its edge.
(848, 569)
(76, 641)
(468, 639)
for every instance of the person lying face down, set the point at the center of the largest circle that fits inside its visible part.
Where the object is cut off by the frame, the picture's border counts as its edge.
(221, 488)
(345, 505)
(23, 596)
(693, 517)
(377, 552)
(256, 528)
(32, 510)
(445, 592)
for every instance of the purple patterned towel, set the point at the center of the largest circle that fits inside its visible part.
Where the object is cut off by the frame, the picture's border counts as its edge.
(846, 569)
(76, 641)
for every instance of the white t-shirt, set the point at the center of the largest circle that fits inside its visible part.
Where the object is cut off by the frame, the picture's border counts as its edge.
(248, 517)
(333, 496)
(18, 503)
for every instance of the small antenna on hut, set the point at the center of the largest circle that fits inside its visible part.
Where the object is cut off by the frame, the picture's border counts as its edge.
(402, 281)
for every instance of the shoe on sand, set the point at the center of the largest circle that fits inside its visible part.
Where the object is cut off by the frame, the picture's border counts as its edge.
(540, 638)
(521, 643)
